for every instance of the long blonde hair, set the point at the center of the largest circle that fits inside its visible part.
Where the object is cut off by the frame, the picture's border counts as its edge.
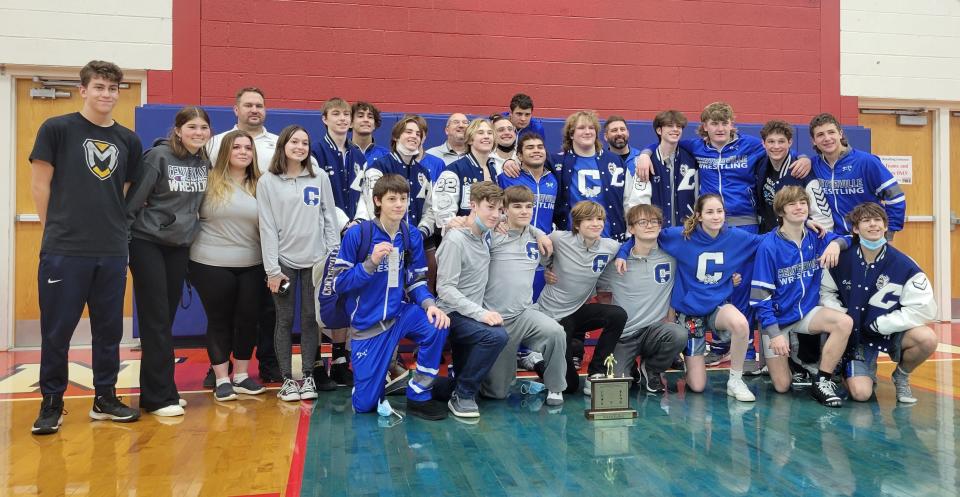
(220, 185)
(693, 220)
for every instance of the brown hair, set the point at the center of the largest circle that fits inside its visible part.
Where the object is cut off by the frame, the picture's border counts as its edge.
(788, 195)
(776, 127)
(827, 118)
(388, 183)
(644, 210)
(717, 111)
(586, 209)
(219, 184)
(401, 125)
(278, 165)
(100, 69)
(249, 89)
(571, 124)
(517, 194)
(613, 119)
(335, 103)
(690, 223)
(669, 117)
(867, 210)
(486, 190)
(185, 115)
(361, 105)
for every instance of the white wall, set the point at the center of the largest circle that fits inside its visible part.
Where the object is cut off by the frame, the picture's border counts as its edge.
(902, 49)
(134, 34)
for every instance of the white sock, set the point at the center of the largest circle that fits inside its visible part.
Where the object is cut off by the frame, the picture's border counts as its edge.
(901, 371)
(238, 377)
(736, 375)
(222, 381)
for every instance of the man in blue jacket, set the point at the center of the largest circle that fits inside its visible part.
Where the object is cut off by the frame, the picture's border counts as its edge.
(374, 284)
(850, 177)
(786, 294)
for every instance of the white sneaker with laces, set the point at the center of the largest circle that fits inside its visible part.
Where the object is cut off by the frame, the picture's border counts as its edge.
(290, 391)
(586, 386)
(737, 389)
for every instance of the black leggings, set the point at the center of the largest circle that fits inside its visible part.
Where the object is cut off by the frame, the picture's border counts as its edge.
(231, 301)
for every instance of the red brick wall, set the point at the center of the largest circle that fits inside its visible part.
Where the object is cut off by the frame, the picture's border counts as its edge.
(768, 58)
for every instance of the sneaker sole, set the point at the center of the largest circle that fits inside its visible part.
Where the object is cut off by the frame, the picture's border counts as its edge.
(248, 392)
(308, 396)
(102, 416)
(731, 394)
(226, 399)
(47, 430)
(461, 414)
(289, 398)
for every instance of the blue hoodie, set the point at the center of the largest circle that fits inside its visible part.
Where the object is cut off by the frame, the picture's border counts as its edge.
(859, 177)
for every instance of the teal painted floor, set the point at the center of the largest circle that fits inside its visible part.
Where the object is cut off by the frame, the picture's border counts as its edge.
(681, 444)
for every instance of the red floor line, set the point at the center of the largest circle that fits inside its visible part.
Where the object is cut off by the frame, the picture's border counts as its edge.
(295, 479)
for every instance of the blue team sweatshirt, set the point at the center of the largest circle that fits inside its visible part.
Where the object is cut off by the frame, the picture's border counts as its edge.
(859, 177)
(786, 278)
(603, 185)
(370, 302)
(544, 195)
(730, 172)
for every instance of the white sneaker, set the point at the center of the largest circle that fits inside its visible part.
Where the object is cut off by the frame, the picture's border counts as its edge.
(308, 390)
(183, 402)
(168, 411)
(290, 391)
(738, 389)
(555, 398)
(586, 386)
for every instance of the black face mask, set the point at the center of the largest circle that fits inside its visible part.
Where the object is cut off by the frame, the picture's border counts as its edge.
(505, 148)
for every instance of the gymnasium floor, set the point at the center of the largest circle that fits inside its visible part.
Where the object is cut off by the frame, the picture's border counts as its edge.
(680, 444)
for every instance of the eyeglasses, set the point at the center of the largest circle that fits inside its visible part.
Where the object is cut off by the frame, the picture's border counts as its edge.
(643, 223)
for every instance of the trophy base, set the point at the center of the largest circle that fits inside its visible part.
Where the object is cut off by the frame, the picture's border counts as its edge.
(594, 415)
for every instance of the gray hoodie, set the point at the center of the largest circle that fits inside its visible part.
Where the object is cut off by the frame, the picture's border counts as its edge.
(163, 202)
(298, 223)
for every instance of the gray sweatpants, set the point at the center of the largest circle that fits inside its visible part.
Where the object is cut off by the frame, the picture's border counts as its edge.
(536, 331)
(286, 308)
(657, 345)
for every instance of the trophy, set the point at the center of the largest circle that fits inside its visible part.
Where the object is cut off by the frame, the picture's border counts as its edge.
(610, 396)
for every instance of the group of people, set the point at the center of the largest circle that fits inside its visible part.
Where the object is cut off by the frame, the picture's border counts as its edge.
(485, 242)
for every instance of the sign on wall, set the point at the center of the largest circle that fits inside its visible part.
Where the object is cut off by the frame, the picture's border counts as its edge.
(901, 166)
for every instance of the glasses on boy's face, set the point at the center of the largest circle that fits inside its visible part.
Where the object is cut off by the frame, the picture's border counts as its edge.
(643, 223)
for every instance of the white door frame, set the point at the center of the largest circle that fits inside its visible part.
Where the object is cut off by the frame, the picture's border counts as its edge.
(8, 181)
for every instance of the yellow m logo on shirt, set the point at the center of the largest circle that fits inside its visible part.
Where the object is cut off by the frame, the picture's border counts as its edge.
(101, 157)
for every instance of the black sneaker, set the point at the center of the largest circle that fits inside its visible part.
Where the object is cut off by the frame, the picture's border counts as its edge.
(825, 391)
(210, 380)
(248, 386)
(651, 382)
(51, 416)
(801, 378)
(430, 410)
(225, 392)
(398, 384)
(270, 373)
(341, 374)
(109, 407)
(321, 379)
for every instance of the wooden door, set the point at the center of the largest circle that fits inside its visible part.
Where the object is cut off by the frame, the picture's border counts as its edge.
(31, 113)
(889, 138)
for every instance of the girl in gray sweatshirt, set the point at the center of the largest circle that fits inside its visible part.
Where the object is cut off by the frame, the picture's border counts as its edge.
(162, 206)
(298, 229)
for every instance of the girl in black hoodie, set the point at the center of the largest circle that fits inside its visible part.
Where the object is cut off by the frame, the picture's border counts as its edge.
(162, 207)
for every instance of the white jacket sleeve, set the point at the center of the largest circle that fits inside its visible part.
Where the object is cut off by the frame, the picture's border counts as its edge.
(428, 220)
(819, 207)
(365, 208)
(330, 224)
(830, 293)
(635, 192)
(446, 197)
(918, 307)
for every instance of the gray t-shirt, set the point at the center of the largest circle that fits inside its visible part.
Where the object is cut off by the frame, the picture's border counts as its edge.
(229, 231)
(463, 260)
(643, 290)
(514, 258)
(578, 268)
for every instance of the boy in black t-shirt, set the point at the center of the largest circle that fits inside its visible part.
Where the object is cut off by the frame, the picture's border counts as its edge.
(82, 164)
